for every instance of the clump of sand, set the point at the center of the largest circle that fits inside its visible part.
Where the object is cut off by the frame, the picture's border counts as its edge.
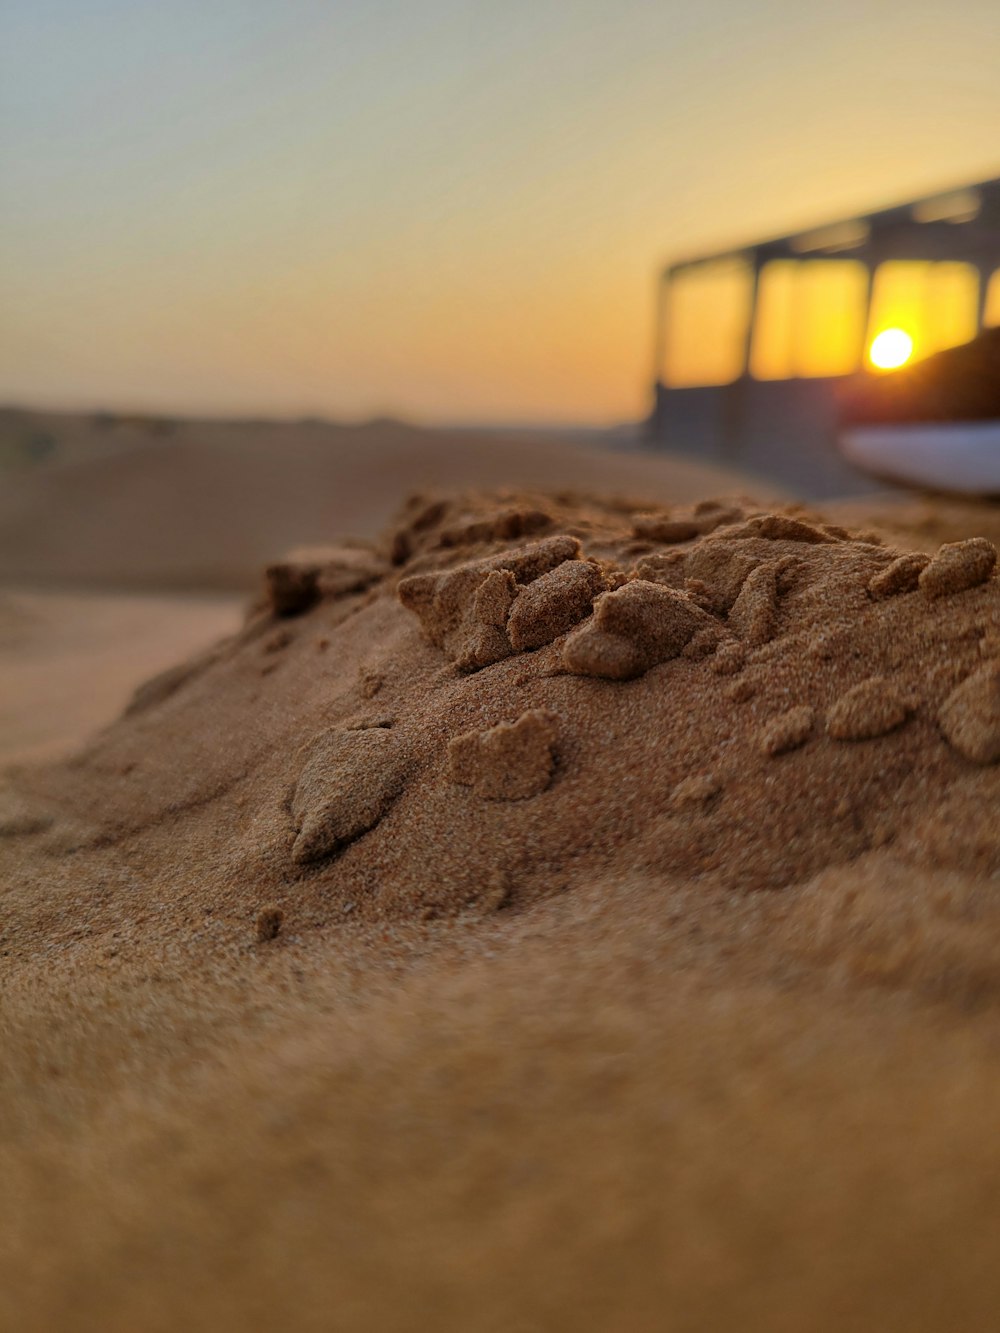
(597, 726)
(393, 728)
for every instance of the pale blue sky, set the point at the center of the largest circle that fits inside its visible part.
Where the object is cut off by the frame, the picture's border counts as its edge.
(448, 209)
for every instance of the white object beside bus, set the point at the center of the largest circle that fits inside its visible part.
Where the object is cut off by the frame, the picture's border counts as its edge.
(959, 456)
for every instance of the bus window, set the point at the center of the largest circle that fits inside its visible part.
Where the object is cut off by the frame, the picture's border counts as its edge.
(830, 316)
(952, 294)
(934, 303)
(773, 334)
(810, 318)
(706, 324)
(899, 293)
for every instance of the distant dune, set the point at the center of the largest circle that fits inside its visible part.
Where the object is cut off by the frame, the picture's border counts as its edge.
(149, 503)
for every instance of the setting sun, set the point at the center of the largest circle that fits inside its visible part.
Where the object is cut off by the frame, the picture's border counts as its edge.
(891, 349)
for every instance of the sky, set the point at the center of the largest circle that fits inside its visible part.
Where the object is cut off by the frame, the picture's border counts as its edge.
(451, 211)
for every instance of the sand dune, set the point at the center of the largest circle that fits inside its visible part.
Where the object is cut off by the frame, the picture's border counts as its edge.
(208, 504)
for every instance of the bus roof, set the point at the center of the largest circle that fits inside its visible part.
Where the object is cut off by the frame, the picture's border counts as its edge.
(962, 223)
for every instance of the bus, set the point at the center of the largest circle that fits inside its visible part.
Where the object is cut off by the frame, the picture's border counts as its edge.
(756, 347)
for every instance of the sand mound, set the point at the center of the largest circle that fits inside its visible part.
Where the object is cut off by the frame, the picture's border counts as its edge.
(396, 729)
(403, 954)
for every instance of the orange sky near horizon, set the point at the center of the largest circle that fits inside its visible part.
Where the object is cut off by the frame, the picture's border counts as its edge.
(445, 211)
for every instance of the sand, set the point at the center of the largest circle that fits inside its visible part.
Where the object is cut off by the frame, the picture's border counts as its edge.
(70, 661)
(557, 914)
(185, 505)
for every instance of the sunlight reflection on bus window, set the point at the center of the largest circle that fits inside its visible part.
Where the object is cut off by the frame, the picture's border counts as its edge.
(898, 299)
(890, 349)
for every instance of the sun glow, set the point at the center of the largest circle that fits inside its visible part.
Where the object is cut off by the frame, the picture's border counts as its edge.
(890, 349)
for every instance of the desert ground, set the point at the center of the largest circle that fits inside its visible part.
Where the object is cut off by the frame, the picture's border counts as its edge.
(136, 541)
(568, 901)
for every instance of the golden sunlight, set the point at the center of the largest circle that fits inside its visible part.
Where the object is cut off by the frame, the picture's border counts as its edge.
(890, 349)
